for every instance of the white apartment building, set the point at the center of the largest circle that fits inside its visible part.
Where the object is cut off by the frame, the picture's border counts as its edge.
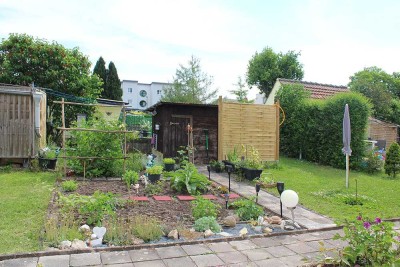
(141, 95)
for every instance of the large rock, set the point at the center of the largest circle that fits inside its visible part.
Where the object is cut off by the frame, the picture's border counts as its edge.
(243, 232)
(173, 234)
(78, 244)
(275, 220)
(208, 233)
(137, 241)
(66, 244)
(229, 221)
(267, 230)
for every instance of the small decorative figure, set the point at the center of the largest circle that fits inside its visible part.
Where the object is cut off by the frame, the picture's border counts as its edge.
(136, 186)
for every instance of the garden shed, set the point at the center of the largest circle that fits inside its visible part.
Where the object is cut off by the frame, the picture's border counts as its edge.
(22, 122)
(383, 131)
(170, 122)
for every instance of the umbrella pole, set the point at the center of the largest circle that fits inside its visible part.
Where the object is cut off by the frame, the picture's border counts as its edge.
(347, 170)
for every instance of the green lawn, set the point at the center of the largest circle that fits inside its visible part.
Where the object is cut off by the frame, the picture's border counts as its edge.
(24, 197)
(323, 189)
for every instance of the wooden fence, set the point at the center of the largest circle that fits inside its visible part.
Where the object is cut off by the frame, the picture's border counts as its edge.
(249, 125)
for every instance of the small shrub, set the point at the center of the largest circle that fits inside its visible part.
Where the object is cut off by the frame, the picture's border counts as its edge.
(136, 162)
(371, 243)
(69, 186)
(217, 166)
(202, 207)
(130, 178)
(157, 169)
(119, 232)
(154, 189)
(6, 169)
(189, 180)
(168, 161)
(56, 230)
(372, 163)
(247, 209)
(392, 163)
(204, 223)
(146, 228)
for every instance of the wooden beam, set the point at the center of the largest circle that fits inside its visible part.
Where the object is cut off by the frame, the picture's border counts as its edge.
(94, 130)
(86, 104)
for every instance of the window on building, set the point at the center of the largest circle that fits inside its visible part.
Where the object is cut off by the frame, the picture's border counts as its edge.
(143, 93)
(158, 92)
(143, 103)
(129, 90)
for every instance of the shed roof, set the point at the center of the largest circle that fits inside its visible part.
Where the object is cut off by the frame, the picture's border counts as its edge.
(161, 103)
(318, 90)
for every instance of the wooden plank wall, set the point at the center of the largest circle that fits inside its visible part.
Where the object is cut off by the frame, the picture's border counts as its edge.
(379, 130)
(251, 125)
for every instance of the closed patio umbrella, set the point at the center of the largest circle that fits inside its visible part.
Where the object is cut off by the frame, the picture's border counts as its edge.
(346, 140)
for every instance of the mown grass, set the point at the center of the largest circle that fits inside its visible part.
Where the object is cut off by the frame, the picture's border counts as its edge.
(24, 198)
(323, 190)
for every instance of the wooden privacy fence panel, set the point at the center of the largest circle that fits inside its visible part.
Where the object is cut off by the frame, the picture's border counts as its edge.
(249, 125)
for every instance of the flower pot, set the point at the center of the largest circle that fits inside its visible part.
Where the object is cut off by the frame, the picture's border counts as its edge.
(169, 167)
(251, 174)
(217, 169)
(47, 164)
(153, 178)
(228, 163)
(144, 133)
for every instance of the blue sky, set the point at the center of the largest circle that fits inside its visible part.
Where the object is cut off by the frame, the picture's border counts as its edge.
(147, 40)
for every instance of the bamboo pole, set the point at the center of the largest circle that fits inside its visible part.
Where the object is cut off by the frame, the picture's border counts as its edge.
(93, 130)
(78, 157)
(124, 121)
(63, 135)
(83, 104)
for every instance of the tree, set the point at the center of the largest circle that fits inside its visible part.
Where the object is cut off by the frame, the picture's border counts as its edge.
(190, 85)
(101, 71)
(241, 91)
(113, 88)
(392, 162)
(381, 88)
(25, 60)
(265, 67)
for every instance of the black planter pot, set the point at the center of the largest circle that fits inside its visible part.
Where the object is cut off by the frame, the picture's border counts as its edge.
(228, 163)
(47, 164)
(169, 167)
(153, 178)
(251, 174)
(145, 133)
(217, 169)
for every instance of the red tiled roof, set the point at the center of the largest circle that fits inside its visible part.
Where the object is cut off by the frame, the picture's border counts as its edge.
(318, 90)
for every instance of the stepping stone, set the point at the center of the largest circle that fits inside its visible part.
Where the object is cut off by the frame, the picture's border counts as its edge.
(211, 197)
(139, 198)
(231, 196)
(185, 198)
(162, 198)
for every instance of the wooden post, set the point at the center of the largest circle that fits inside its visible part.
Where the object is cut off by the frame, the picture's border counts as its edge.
(347, 170)
(63, 135)
(220, 130)
(124, 122)
(277, 131)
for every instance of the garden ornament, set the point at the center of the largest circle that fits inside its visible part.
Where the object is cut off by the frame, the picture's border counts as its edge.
(290, 199)
(136, 186)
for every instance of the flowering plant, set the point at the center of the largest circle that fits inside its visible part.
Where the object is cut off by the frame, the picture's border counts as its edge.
(371, 243)
(48, 153)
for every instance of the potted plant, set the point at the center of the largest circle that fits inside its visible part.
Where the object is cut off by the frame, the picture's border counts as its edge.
(217, 166)
(266, 180)
(233, 158)
(169, 164)
(252, 166)
(154, 173)
(145, 128)
(48, 158)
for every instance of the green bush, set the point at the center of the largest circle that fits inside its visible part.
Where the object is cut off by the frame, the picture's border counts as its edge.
(136, 162)
(247, 209)
(146, 228)
(130, 178)
(168, 161)
(202, 207)
(392, 163)
(372, 163)
(69, 186)
(313, 128)
(154, 189)
(205, 223)
(189, 180)
(157, 169)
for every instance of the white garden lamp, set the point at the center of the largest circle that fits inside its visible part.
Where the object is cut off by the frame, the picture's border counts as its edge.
(290, 199)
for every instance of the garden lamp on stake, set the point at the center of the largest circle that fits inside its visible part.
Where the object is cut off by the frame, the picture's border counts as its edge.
(226, 200)
(281, 187)
(258, 188)
(209, 172)
(229, 170)
(290, 199)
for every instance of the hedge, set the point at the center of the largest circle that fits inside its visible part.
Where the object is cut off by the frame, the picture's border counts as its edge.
(313, 128)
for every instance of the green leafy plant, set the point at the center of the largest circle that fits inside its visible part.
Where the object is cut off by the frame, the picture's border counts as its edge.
(119, 231)
(247, 209)
(157, 169)
(56, 230)
(146, 228)
(372, 162)
(69, 186)
(48, 152)
(371, 243)
(136, 162)
(168, 161)
(392, 162)
(234, 155)
(154, 189)
(189, 180)
(130, 178)
(182, 159)
(202, 207)
(253, 160)
(205, 223)
(146, 126)
(217, 166)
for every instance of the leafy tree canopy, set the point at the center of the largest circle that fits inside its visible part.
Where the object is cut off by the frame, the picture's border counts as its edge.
(241, 91)
(190, 85)
(265, 67)
(25, 60)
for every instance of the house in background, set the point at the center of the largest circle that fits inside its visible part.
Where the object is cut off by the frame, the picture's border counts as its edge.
(141, 96)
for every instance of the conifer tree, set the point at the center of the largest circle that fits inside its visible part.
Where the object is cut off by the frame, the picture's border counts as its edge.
(113, 88)
(101, 71)
(392, 162)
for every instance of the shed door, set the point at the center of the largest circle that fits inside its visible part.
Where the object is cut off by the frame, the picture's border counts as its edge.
(177, 134)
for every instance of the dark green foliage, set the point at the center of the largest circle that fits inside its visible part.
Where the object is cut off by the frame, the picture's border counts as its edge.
(313, 128)
(101, 71)
(188, 180)
(112, 89)
(69, 186)
(130, 178)
(202, 207)
(372, 163)
(392, 163)
(247, 209)
(265, 67)
(154, 189)
(25, 60)
(205, 223)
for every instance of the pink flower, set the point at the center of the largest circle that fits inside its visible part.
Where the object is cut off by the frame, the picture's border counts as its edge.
(367, 225)
(359, 218)
(378, 220)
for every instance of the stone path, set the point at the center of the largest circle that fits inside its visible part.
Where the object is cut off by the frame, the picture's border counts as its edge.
(271, 251)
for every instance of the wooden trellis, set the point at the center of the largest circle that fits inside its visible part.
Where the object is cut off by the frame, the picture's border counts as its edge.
(64, 129)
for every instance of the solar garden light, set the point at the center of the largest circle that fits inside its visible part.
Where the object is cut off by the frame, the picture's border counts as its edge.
(281, 187)
(290, 199)
(226, 200)
(258, 188)
(209, 172)
(229, 170)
